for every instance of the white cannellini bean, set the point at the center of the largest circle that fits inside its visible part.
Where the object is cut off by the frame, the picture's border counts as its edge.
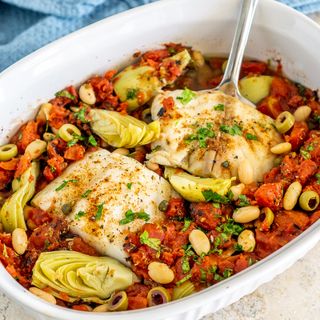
(247, 240)
(281, 148)
(19, 241)
(302, 113)
(122, 151)
(199, 241)
(245, 172)
(152, 166)
(237, 190)
(198, 58)
(36, 148)
(291, 196)
(160, 272)
(86, 94)
(44, 112)
(101, 308)
(43, 295)
(246, 214)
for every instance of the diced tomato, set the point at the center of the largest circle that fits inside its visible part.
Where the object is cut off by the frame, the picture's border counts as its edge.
(79, 245)
(59, 114)
(315, 217)
(253, 67)
(137, 296)
(5, 178)
(103, 89)
(168, 103)
(269, 195)
(281, 87)
(26, 134)
(306, 170)
(270, 106)
(176, 208)
(206, 215)
(75, 152)
(81, 307)
(156, 55)
(23, 165)
(153, 230)
(10, 165)
(241, 263)
(297, 135)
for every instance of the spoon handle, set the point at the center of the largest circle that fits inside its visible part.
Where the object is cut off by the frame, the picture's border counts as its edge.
(240, 39)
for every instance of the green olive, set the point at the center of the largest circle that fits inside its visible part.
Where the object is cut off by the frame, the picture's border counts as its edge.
(158, 295)
(185, 289)
(68, 131)
(8, 151)
(118, 302)
(268, 218)
(284, 121)
(47, 136)
(66, 208)
(309, 200)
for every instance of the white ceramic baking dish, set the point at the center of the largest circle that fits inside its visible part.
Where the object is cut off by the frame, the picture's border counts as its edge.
(278, 32)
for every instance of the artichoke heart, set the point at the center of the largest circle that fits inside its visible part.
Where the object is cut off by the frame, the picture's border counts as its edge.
(136, 85)
(191, 187)
(80, 276)
(122, 130)
(11, 214)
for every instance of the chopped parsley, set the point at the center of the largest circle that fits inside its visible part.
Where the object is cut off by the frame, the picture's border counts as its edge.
(203, 275)
(318, 178)
(209, 195)
(238, 247)
(65, 93)
(64, 183)
(186, 225)
(79, 215)
(99, 212)
(250, 136)
(227, 273)
(86, 193)
(172, 50)
(186, 96)
(219, 107)
(232, 130)
(81, 115)
(132, 94)
(75, 140)
(201, 135)
(243, 201)
(185, 265)
(92, 141)
(216, 205)
(129, 185)
(153, 243)
(310, 147)
(131, 216)
(183, 280)
(230, 228)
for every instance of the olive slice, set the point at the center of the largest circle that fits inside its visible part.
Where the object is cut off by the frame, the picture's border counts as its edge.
(118, 302)
(158, 295)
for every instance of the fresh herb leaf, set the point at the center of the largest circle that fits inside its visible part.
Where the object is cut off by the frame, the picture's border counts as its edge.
(219, 107)
(216, 205)
(79, 215)
(217, 277)
(92, 141)
(86, 193)
(64, 183)
(65, 93)
(172, 50)
(185, 266)
(250, 136)
(209, 195)
(129, 185)
(230, 228)
(153, 243)
(183, 280)
(52, 168)
(81, 115)
(227, 273)
(75, 140)
(132, 94)
(203, 275)
(318, 178)
(186, 96)
(131, 216)
(238, 247)
(243, 201)
(232, 130)
(186, 225)
(99, 212)
(213, 269)
(310, 147)
(201, 135)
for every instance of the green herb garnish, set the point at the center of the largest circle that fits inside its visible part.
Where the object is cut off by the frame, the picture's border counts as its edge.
(183, 280)
(129, 185)
(209, 195)
(227, 273)
(243, 201)
(132, 94)
(64, 183)
(79, 215)
(75, 140)
(318, 178)
(186, 225)
(185, 266)
(153, 243)
(250, 136)
(232, 130)
(131, 216)
(92, 141)
(203, 275)
(99, 212)
(230, 228)
(201, 135)
(305, 154)
(65, 93)
(186, 96)
(81, 115)
(219, 107)
(86, 193)
(238, 247)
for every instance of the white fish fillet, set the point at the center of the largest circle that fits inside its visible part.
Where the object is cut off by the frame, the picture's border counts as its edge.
(109, 176)
(183, 121)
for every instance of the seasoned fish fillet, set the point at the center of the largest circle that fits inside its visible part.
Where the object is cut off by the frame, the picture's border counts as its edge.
(99, 190)
(209, 134)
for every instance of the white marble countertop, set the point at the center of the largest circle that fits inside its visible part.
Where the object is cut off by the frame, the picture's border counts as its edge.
(293, 295)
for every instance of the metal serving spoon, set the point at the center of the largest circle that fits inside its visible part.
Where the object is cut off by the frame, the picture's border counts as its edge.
(229, 82)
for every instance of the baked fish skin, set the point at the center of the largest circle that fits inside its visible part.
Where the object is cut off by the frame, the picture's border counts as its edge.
(211, 134)
(100, 189)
